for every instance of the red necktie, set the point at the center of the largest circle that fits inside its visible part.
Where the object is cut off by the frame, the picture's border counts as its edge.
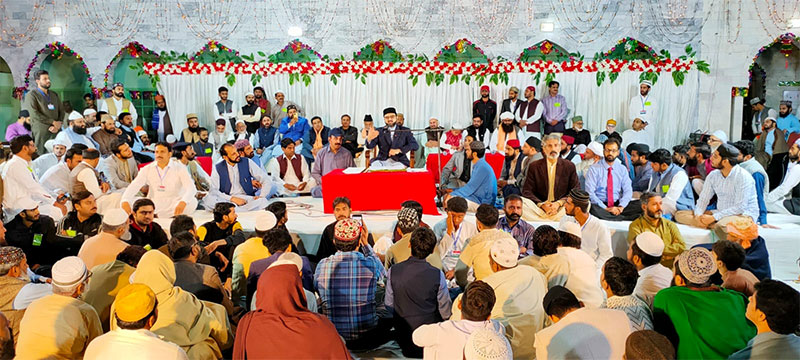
(610, 189)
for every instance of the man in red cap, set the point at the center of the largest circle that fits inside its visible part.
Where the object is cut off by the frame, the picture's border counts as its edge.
(485, 108)
(529, 114)
(566, 149)
(512, 168)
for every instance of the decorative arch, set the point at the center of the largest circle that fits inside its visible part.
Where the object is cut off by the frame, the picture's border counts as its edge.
(57, 49)
(544, 50)
(786, 41)
(135, 50)
(629, 49)
(9, 105)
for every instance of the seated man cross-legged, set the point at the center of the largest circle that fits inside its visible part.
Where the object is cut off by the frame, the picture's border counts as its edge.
(548, 182)
(609, 187)
(482, 185)
(238, 180)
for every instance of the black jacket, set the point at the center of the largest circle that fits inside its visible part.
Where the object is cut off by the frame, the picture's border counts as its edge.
(39, 241)
(71, 227)
(152, 235)
(487, 111)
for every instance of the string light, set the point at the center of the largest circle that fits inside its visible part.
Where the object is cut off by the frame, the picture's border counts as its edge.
(15, 38)
(114, 23)
(215, 19)
(779, 23)
(584, 27)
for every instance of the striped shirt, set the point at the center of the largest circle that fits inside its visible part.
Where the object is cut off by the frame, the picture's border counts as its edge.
(736, 194)
(346, 282)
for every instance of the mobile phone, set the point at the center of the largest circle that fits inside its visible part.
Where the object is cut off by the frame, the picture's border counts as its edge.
(359, 218)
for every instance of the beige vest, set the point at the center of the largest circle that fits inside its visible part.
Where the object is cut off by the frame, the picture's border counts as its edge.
(9, 288)
(112, 107)
(75, 185)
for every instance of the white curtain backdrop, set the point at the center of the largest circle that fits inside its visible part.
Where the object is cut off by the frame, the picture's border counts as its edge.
(451, 104)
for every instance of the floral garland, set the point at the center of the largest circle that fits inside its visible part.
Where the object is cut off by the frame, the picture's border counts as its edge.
(214, 46)
(628, 49)
(739, 92)
(787, 38)
(378, 51)
(461, 51)
(295, 51)
(57, 49)
(134, 49)
(422, 68)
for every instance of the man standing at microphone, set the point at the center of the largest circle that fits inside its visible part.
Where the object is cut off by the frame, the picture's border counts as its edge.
(393, 141)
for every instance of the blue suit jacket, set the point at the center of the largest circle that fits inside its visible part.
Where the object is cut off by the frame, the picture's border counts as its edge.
(308, 142)
(403, 140)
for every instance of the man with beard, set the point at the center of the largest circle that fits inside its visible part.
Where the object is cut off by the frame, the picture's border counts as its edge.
(482, 185)
(294, 126)
(566, 150)
(595, 238)
(638, 134)
(642, 106)
(144, 138)
(508, 130)
(760, 112)
(611, 130)
(47, 111)
(670, 182)
(290, 171)
(281, 108)
(350, 136)
(548, 183)
(785, 199)
(512, 103)
(577, 132)
(486, 109)
(107, 134)
(35, 234)
(56, 178)
(192, 132)
(786, 121)
(457, 171)
(239, 181)
(267, 139)
(609, 187)
(479, 132)
(250, 113)
(117, 104)
(264, 106)
(593, 154)
(680, 153)
(330, 158)
(17, 185)
(203, 147)
(555, 109)
(735, 191)
(120, 168)
(224, 108)
(161, 120)
(393, 141)
(519, 229)
(642, 171)
(170, 186)
(246, 150)
(512, 167)
(46, 161)
(186, 155)
(89, 102)
(315, 138)
(529, 114)
(652, 221)
(133, 140)
(748, 162)
(771, 149)
(76, 132)
(341, 210)
(21, 127)
(698, 164)
(85, 177)
(531, 151)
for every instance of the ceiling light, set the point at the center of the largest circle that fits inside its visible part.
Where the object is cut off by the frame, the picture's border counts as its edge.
(295, 31)
(547, 27)
(794, 23)
(55, 30)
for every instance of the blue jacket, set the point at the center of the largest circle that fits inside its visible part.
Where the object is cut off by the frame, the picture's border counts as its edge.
(482, 186)
(245, 180)
(295, 132)
(403, 140)
(309, 139)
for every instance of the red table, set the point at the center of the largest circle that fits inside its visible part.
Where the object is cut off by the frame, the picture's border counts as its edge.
(380, 190)
(494, 159)
(204, 161)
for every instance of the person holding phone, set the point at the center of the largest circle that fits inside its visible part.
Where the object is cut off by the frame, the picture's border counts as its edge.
(341, 210)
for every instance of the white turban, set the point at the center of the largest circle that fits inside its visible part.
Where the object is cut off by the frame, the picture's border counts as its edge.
(719, 134)
(74, 115)
(506, 115)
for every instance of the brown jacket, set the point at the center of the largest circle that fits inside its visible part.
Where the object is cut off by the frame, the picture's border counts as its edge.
(778, 147)
(9, 288)
(536, 180)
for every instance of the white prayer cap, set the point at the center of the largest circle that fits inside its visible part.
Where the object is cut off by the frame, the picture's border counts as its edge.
(773, 114)
(719, 134)
(487, 344)
(289, 258)
(570, 227)
(650, 243)
(580, 149)
(505, 252)
(140, 132)
(755, 101)
(57, 142)
(596, 147)
(797, 142)
(68, 272)
(48, 145)
(280, 91)
(239, 121)
(89, 111)
(646, 82)
(26, 203)
(74, 115)
(115, 217)
(249, 94)
(265, 220)
(506, 115)
(171, 139)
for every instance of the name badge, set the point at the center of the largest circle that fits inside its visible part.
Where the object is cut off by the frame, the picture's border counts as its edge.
(71, 233)
(284, 110)
(126, 110)
(557, 104)
(161, 188)
(37, 239)
(455, 254)
(643, 112)
(51, 106)
(208, 151)
(664, 188)
(647, 103)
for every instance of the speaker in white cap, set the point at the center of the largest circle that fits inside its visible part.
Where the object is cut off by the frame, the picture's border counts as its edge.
(650, 243)
(570, 227)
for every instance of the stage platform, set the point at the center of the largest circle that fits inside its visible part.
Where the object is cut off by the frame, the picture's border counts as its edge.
(307, 221)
